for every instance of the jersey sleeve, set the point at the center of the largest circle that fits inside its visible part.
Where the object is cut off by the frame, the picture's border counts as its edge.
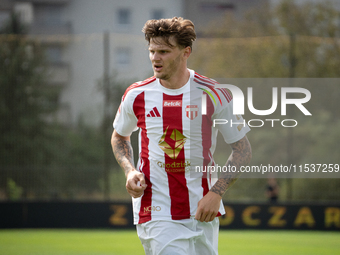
(125, 121)
(232, 127)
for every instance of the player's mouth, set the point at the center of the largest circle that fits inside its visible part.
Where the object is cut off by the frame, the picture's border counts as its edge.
(157, 67)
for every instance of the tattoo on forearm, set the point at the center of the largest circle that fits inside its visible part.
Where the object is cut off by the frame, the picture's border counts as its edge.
(122, 150)
(240, 156)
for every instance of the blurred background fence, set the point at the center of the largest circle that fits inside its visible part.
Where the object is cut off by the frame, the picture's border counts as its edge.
(60, 93)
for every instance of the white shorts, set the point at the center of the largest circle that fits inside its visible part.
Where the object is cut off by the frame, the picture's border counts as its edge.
(187, 237)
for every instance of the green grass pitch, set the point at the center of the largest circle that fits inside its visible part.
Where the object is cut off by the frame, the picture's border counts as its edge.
(114, 242)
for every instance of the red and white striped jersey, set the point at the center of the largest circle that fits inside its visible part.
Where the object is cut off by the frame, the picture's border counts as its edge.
(175, 140)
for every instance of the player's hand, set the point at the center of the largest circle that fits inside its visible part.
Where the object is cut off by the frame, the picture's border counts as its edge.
(135, 183)
(208, 206)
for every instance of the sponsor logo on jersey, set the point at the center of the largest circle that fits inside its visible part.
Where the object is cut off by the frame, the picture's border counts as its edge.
(174, 144)
(172, 103)
(191, 111)
(175, 167)
(149, 209)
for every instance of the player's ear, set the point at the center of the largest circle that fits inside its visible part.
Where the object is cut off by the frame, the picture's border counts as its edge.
(187, 52)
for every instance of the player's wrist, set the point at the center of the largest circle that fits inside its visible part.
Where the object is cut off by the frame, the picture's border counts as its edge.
(216, 193)
(129, 171)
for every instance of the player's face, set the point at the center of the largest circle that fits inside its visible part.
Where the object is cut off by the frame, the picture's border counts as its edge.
(166, 60)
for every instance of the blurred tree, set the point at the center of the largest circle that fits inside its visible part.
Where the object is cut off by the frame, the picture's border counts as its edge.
(113, 89)
(45, 158)
(25, 99)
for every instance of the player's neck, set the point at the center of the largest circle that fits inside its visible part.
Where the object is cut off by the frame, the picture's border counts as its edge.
(176, 81)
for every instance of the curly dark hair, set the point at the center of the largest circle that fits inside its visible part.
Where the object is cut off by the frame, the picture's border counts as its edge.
(182, 30)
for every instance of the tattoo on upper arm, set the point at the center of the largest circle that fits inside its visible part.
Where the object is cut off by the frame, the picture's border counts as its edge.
(240, 156)
(123, 152)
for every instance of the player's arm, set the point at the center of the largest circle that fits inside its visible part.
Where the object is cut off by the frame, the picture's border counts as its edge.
(122, 149)
(209, 205)
(240, 156)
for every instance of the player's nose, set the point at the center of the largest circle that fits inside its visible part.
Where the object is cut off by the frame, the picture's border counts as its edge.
(155, 57)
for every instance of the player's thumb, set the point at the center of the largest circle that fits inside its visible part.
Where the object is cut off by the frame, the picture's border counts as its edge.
(142, 181)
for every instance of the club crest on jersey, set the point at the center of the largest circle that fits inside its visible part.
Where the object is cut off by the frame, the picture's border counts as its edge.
(173, 144)
(191, 111)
